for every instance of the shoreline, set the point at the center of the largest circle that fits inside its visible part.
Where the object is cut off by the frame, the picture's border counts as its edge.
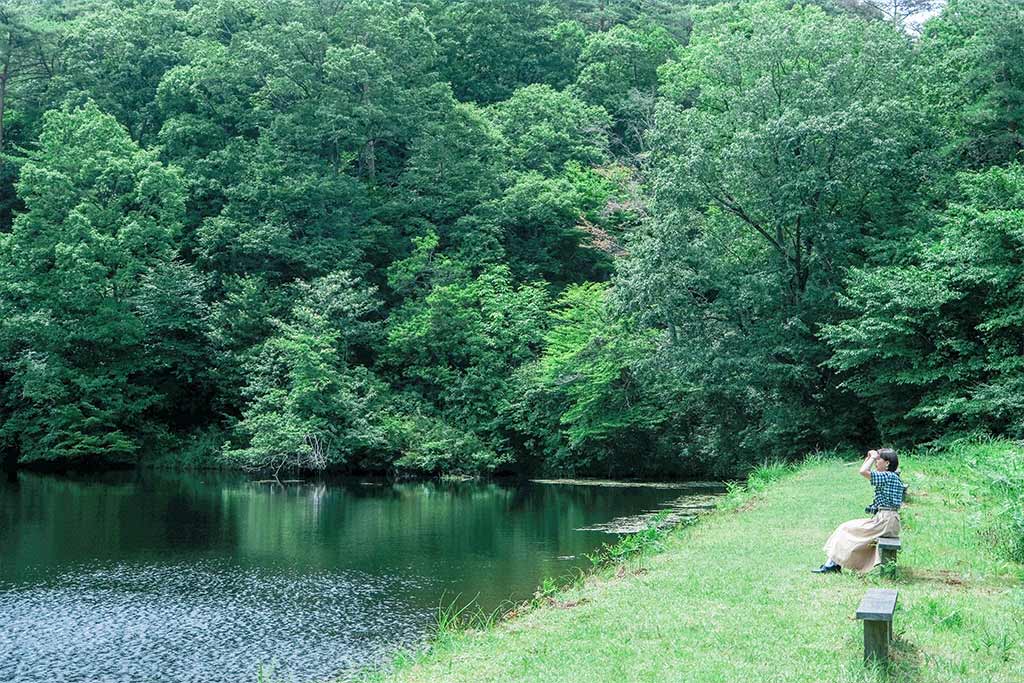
(712, 603)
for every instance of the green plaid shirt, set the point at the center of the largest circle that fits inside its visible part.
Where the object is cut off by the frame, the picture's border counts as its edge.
(889, 490)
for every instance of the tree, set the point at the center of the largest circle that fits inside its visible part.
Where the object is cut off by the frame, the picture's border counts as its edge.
(22, 53)
(619, 71)
(309, 406)
(456, 163)
(589, 364)
(898, 12)
(116, 56)
(935, 344)
(491, 48)
(547, 129)
(382, 86)
(603, 15)
(287, 216)
(379, 200)
(783, 139)
(538, 221)
(28, 61)
(169, 302)
(973, 70)
(101, 217)
(458, 346)
(782, 132)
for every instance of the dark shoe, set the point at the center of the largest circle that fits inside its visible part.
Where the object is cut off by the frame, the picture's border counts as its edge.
(826, 570)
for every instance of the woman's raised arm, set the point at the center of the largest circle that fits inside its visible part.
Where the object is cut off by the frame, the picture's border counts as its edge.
(865, 468)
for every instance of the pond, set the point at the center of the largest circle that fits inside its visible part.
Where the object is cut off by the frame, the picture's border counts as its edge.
(145, 576)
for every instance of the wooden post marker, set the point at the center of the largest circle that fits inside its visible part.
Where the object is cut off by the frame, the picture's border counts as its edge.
(888, 547)
(876, 612)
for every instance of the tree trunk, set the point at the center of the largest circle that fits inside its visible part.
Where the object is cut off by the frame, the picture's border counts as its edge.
(9, 456)
(4, 76)
(370, 159)
(3, 99)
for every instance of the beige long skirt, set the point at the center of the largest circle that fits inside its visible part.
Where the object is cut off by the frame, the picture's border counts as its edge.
(852, 545)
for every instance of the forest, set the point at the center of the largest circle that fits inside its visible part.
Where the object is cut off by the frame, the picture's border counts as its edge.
(630, 238)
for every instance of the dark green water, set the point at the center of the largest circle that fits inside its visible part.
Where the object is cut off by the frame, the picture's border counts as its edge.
(203, 577)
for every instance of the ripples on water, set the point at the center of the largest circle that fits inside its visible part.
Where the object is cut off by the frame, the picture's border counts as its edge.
(201, 622)
(139, 577)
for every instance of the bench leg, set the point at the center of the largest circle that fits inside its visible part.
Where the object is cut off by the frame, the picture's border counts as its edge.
(877, 635)
(888, 556)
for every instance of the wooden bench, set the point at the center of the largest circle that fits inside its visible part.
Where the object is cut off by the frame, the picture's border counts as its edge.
(888, 547)
(876, 612)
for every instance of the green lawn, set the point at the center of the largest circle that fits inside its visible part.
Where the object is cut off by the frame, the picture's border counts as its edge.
(732, 599)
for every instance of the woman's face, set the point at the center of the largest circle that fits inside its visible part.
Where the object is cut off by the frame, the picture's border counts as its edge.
(882, 465)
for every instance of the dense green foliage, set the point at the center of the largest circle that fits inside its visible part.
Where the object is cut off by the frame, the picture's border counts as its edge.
(611, 237)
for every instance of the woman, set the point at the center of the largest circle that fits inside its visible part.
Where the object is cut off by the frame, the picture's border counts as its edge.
(852, 545)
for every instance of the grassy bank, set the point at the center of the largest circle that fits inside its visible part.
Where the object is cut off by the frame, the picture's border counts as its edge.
(731, 598)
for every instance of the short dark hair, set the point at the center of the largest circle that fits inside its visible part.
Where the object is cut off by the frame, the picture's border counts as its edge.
(889, 455)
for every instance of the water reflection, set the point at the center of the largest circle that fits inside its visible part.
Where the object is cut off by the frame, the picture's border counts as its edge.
(139, 576)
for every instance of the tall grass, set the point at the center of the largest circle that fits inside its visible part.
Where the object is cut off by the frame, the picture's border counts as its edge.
(989, 471)
(453, 617)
